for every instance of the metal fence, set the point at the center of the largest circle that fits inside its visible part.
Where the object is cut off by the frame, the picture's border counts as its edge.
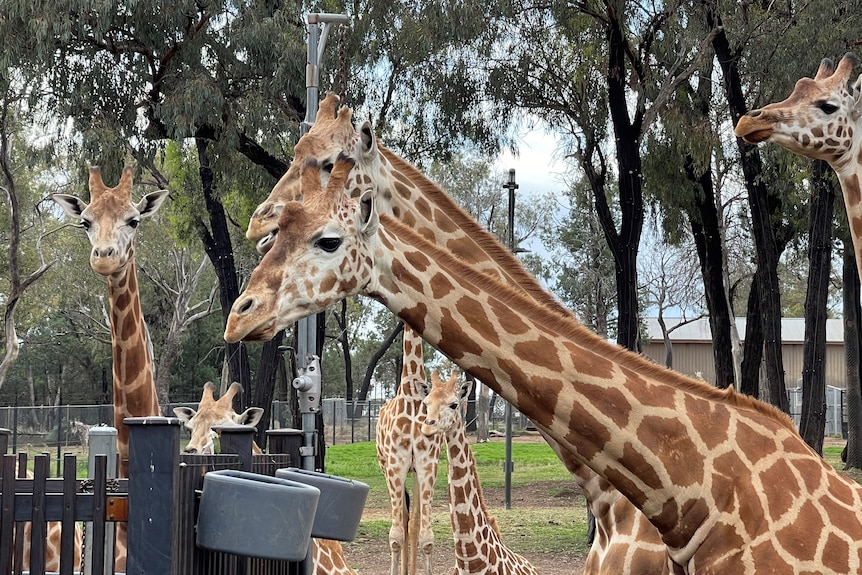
(34, 428)
(836, 410)
(40, 427)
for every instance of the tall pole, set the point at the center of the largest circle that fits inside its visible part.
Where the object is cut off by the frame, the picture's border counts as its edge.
(508, 465)
(308, 382)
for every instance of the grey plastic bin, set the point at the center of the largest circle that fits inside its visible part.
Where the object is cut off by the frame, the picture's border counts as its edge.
(341, 502)
(256, 515)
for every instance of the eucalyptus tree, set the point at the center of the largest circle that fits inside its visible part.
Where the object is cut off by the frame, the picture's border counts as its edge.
(24, 228)
(227, 77)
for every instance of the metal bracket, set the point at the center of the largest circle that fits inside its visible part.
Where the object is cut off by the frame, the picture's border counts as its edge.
(308, 386)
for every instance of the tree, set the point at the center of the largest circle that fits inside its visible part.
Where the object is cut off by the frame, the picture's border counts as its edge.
(179, 290)
(11, 169)
(671, 281)
(812, 422)
(580, 264)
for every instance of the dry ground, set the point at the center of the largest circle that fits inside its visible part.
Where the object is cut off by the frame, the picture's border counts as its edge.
(370, 555)
(559, 501)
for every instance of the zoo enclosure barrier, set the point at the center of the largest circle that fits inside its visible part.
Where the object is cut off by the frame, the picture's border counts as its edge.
(65, 426)
(159, 501)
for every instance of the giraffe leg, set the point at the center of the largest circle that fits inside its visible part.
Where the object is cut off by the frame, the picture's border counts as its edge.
(395, 482)
(426, 533)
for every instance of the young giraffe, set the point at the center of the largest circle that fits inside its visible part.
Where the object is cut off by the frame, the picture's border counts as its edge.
(111, 221)
(327, 555)
(623, 535)
(820, 120)
(478, 546)
(727, 480)
(402, 448)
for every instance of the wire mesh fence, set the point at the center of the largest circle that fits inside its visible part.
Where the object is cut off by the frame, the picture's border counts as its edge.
(44, 428)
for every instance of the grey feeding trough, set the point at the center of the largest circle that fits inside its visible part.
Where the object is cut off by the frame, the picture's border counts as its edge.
(341, 502)
(256, 515)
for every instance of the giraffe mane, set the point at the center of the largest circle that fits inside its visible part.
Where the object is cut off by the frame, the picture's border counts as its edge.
(568, 327)
(474, 230)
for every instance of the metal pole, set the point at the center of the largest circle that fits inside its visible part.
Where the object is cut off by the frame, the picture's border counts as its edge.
(508, 465)
(308, 382)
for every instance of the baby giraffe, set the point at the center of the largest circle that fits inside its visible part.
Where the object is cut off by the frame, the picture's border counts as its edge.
(328, 555)
(478, 547)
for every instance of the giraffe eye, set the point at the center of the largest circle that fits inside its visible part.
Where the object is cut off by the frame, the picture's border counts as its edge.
(453, 406)
(827, 108)
(85, 224)
(133, 223)
(328, 244)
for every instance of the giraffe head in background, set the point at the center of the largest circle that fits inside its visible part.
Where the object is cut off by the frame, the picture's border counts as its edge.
(819, 118)
(213, 412)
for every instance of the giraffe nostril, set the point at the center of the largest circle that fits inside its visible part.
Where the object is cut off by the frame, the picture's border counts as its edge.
(190, 449)
(246, 306)
(754, 113)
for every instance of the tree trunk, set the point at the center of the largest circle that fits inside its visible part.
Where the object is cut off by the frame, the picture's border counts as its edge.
(372, 364)
(762, 207)
(813, 421)
(217, 244)
(852, 344)
(668, 344)
(345, 350)
(753, 346)
(483, 403)
(626, 243)
(706, 230)
(264, 386)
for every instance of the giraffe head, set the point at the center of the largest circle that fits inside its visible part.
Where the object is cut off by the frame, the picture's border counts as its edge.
(444, 403)
(111, 219)
(819, 118)
(331, 134)
(325, 240)
(211, 413)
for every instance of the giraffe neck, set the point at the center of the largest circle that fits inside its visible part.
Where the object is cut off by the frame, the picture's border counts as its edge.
(471, 524)
(413, 378)
(418, 202)
(134, 382)
(660, 438)
(850, 178)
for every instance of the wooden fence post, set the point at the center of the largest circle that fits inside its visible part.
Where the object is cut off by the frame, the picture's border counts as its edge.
(154, 447)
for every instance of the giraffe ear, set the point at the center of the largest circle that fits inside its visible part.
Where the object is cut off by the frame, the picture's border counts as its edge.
(151, 203)
(250, 416)
(856, 93)
(368, 219)
(367, 143)
(185, 414)
(73, 206)
(466, 387)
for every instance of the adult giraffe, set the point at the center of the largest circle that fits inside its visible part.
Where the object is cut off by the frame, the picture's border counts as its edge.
(402, 448)
(623, 535)
(111, 220)
(820, 120)
(727, 481)
(327, 555)
(479, 549)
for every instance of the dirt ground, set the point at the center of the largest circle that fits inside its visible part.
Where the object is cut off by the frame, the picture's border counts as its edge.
(371, 555)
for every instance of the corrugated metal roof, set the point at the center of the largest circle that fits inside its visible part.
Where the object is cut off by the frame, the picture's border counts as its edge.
(792, 329)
